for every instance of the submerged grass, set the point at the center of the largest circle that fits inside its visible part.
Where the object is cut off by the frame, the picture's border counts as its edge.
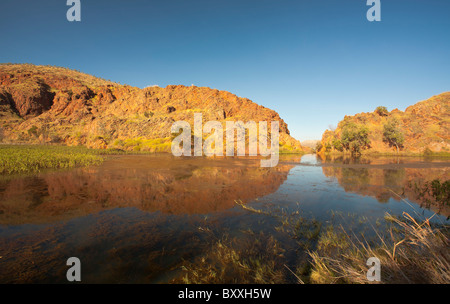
(31, 159)
(257, 259)
(410, 251)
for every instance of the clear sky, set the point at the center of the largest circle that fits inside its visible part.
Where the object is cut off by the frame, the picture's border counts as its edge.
(312, 61)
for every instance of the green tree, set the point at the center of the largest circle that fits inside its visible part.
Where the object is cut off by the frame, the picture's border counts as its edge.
(355, 138)
(392, 134)
(382, 111)
(337, 145)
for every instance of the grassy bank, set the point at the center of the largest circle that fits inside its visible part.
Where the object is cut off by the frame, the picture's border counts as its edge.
(30, 159)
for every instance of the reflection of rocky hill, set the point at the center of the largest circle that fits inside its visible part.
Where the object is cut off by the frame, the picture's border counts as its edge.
(165, 184)
(384, 183)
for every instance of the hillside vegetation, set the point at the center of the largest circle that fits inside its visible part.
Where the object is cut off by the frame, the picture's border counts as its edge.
(44, 104)
(423, 128)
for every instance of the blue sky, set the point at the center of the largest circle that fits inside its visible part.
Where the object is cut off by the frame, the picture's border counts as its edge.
(312, 61)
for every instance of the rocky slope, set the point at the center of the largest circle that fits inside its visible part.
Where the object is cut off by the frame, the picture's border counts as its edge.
(425, 127)
(42, 104)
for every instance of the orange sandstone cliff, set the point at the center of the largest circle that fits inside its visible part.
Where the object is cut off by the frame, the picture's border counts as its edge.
(44, 104)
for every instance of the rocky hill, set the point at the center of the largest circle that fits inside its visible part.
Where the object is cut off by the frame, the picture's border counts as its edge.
(423, 128)
(43, 104)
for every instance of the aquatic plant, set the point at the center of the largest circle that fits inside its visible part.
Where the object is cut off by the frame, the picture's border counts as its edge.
(26, 159)
(256, 259)
(412, 251)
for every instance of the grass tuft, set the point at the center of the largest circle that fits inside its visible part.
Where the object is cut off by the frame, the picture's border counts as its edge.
(417, 253)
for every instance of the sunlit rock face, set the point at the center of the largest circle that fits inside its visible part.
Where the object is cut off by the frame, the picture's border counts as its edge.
(69, 107)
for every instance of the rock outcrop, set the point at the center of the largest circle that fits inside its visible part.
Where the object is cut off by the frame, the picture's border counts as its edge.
(42, 104)
(424, 126)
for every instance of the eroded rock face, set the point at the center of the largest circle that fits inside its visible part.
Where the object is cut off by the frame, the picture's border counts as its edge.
(80, 108)
(425, 126)
(29, 100)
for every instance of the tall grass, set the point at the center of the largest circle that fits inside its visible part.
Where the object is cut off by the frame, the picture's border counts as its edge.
(31, 159)
(416, 253)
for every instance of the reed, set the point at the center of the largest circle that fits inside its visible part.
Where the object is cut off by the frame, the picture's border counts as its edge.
(414, 252)
(32, 159)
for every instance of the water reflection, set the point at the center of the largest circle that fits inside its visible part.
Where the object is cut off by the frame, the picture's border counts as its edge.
(134, 219)
(150, 183)
(385, 178)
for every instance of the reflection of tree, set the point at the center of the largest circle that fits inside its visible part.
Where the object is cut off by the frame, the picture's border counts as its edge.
(383, 197)
(432, 192)
(394, 178)
(345, 159)
(384, 183)
(356, 177)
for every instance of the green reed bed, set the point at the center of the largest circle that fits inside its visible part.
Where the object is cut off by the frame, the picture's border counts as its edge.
(30, 159)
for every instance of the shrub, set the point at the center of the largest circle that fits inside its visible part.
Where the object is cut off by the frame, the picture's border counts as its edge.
(427, 152)
(337, 145)
(148, 114)
(319, 146)
(355, 138)
(382, 111)
(33, 131)
(392, 134)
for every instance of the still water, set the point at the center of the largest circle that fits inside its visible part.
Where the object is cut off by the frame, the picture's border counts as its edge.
(137, 219)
